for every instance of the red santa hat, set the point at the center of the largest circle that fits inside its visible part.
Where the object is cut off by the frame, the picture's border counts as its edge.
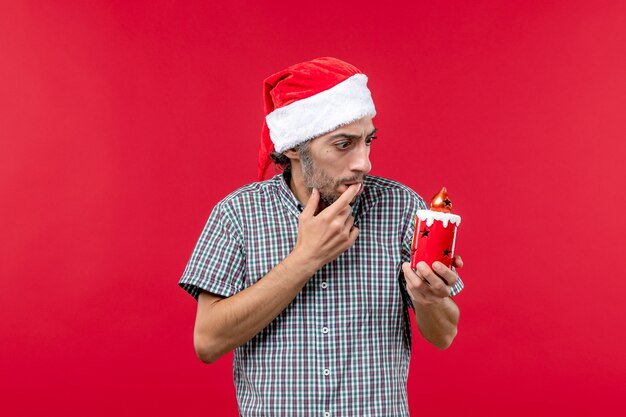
(310, 99)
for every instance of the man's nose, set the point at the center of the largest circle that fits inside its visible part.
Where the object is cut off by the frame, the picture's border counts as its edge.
(361, 159)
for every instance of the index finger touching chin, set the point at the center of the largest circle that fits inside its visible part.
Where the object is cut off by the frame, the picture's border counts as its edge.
(348, 195)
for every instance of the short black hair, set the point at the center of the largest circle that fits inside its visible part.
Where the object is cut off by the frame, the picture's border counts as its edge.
(282, 162)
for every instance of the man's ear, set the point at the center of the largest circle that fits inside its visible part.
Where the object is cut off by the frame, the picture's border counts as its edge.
(292, 154)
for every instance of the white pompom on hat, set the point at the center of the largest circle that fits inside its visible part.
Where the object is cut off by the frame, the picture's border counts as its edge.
(310, 99)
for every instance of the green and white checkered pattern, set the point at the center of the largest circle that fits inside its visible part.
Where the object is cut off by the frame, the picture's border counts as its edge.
(342, 347)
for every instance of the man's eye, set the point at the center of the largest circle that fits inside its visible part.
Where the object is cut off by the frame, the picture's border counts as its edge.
(342, 145)
(369, 140)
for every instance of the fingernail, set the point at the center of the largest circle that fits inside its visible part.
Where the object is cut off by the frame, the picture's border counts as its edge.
(422, 267)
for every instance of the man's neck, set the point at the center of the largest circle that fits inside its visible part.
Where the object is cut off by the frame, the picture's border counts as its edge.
(297, 187)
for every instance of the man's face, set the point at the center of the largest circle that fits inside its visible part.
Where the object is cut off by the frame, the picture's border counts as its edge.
(334, 161)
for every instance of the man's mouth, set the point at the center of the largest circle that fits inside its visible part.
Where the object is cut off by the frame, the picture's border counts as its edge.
(360, 183)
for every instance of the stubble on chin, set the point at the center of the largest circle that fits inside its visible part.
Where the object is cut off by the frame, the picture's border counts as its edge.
(328, 199)
(327, 187)
(325, 184)
(327, 191)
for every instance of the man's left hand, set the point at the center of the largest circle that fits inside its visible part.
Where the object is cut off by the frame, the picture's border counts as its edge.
(430, 286)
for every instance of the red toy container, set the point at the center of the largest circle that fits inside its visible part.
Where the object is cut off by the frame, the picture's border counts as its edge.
(434, 238)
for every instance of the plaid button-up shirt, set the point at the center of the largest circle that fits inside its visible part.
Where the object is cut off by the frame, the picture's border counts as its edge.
(342, 347)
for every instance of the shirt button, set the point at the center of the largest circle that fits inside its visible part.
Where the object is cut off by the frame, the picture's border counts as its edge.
(326, 372)
(324, 285)
(327, 414)
(324, 330)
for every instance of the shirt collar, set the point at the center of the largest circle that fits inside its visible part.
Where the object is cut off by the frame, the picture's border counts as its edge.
(286, 196)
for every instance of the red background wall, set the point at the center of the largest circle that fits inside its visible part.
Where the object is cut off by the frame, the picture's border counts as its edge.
(123, 123)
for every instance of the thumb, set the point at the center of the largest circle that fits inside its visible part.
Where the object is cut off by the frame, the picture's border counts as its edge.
(311, 205)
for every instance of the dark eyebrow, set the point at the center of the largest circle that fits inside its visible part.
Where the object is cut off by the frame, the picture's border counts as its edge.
(349, 136)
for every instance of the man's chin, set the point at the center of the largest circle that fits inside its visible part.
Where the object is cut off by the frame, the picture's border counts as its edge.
(328, 199)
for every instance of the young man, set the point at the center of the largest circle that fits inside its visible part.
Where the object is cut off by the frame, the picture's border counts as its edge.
(306, 275)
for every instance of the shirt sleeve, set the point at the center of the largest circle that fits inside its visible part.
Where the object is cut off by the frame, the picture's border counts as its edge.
(217, 264)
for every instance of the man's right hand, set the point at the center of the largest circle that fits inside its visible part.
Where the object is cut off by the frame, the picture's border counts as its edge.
(325, 236)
